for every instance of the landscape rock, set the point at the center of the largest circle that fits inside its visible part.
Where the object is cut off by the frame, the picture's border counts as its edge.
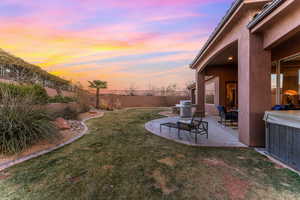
(62, 124)
(93, 112)
(76, 126)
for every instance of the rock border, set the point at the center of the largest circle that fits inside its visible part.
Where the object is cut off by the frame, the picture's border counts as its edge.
(40, 153)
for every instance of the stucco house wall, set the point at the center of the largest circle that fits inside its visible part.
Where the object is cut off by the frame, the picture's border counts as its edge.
(253, 91)
(274, 37)
(287, 48)
(225, 73)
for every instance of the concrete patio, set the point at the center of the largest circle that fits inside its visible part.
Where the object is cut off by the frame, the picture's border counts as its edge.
(218, 135)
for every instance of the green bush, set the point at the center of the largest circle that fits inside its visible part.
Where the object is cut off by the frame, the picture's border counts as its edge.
(61, 99)
(21, 122)
(36, 92)
(67, 113)
(83, 100)
(39, 93)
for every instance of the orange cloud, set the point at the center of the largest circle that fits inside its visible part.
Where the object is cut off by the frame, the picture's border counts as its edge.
(70, 38)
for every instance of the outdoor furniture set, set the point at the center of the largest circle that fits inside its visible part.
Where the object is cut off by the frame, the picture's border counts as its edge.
(198, 127)
(227, 116)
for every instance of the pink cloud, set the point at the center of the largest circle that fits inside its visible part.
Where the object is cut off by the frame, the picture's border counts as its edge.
(43, 35)
(157, 3)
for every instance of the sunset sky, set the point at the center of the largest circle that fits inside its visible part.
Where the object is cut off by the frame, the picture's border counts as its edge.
(124, 42)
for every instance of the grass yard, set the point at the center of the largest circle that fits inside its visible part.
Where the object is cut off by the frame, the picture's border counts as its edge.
(119, 159)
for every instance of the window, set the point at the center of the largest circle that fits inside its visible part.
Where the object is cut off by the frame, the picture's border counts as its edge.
(285, 82)
(231, 95)
(274, 84)
(210, 90)
(289, 90)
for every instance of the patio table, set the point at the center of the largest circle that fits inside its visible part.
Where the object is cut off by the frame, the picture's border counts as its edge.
(168, 124)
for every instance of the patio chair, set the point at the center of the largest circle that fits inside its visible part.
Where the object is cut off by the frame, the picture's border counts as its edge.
(227, 116)
(197, 127)
(171, 125)
(197, 115)
(278, 107)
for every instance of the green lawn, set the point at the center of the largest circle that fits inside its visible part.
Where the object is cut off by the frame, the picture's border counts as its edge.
(119, 159)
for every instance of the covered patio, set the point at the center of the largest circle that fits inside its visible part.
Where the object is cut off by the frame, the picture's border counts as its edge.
(221, 89)
(250, 64)
(218, 135)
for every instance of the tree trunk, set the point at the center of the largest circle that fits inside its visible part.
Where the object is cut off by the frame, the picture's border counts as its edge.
(97, 98)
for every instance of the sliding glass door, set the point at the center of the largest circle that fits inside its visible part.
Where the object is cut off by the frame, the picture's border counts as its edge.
(285, 81)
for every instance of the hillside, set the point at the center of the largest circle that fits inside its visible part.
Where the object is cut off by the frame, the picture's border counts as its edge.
(9, 59)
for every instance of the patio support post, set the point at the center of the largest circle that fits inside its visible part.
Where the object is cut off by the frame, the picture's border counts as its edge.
(200, 92)
(192, 91)
(254, 88)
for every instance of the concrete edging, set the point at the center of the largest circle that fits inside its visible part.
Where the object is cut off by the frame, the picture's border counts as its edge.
(39, 153)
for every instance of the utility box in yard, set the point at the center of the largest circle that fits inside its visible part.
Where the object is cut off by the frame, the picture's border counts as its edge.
(283, 136)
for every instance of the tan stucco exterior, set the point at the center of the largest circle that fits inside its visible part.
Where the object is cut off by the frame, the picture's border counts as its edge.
(256, 48)
(280, 25)
(234, 30)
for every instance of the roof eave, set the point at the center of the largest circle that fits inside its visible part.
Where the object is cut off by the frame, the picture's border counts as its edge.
(229, 13)
(264, 13)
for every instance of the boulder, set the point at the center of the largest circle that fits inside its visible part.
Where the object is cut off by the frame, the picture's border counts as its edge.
(62, 124)
(93, 111)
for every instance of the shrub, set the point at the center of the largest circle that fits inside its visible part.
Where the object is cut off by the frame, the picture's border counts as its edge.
(36, 93)
(114, 103)
(21, 122)
(69, 113)
(61, 99)
(110, 104)
(83, 100)
(104, 105)
(39, 94)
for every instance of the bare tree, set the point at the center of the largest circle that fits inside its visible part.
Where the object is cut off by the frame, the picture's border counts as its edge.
(186, 89)
(171, 90)
(163, 91)
(151, 91)
(132, 90)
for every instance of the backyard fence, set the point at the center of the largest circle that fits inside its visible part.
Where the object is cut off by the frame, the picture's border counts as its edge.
(139, 101)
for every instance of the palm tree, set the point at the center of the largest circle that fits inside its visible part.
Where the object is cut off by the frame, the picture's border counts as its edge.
(97, 84)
